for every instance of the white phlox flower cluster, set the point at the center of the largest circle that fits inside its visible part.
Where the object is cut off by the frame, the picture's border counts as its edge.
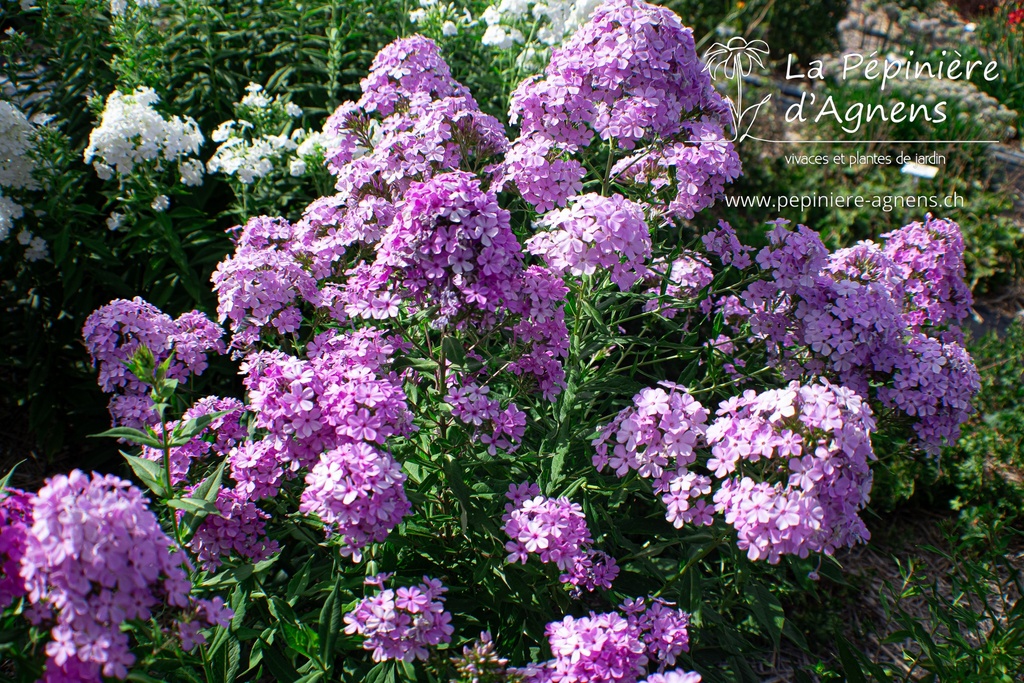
(443, 14)
(132, 132)
(246, 150)
(36, 246)
(16, 166)
(556, 20)
(119, 7)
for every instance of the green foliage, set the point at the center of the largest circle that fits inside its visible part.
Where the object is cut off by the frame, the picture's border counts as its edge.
(986, 465)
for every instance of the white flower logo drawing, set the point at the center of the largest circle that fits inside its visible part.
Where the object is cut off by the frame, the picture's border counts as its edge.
(737, 59)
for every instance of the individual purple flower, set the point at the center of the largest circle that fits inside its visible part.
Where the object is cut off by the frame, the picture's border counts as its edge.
(94, 558)
(402, 624)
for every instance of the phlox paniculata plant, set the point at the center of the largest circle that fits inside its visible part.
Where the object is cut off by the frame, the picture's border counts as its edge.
(509, 384)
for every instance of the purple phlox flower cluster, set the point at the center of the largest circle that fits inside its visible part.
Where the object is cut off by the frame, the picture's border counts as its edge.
(612, 647)
(849, 316)
(723, 243)
(630, 75)
(114, 332)
(204, 613)
(498, 428)
(402, 623)
(543, 171)
(15, 521)
(429, 124)
(934, 382)
(814, 445)
(239, 530)
(406, 68)
(450, 245)
(96, 557)
(259, 468)
(685, 277)
(357, 491)
(695, 170)
(314, 405)
(929, 258)
(555, 529)
(663, 629)
(217, 437)
(595, 232)
(263, 283)
(540, 338)
(330, 227)
(656, 436)
(429, 138)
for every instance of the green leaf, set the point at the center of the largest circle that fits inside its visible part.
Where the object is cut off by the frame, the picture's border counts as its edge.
(7, 477)
(769, 613)
(207, 492)
(453, 351)
(149, 473)
(280, 667)
(382, 673)
(193, 505)
(330, 622)
(849, 661)
(128, 434)
(184, 432)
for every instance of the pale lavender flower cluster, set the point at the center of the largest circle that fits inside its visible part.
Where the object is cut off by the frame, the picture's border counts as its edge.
(677, 676)
(555, 529)
(356, 491)
(226, 431)
(496, 427)
(239, 529)
(114, 332)
(15, 521)
(330, 414)
(723, 243)
(449, 245)
(850, 316)
(261, 284)
(685, 277)
(630, 76)
(808, 447)
(694, 170)
(929, 260)
(94, 558)
(611, 647)
(595, 233)
(401, 623)
(656, 436)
